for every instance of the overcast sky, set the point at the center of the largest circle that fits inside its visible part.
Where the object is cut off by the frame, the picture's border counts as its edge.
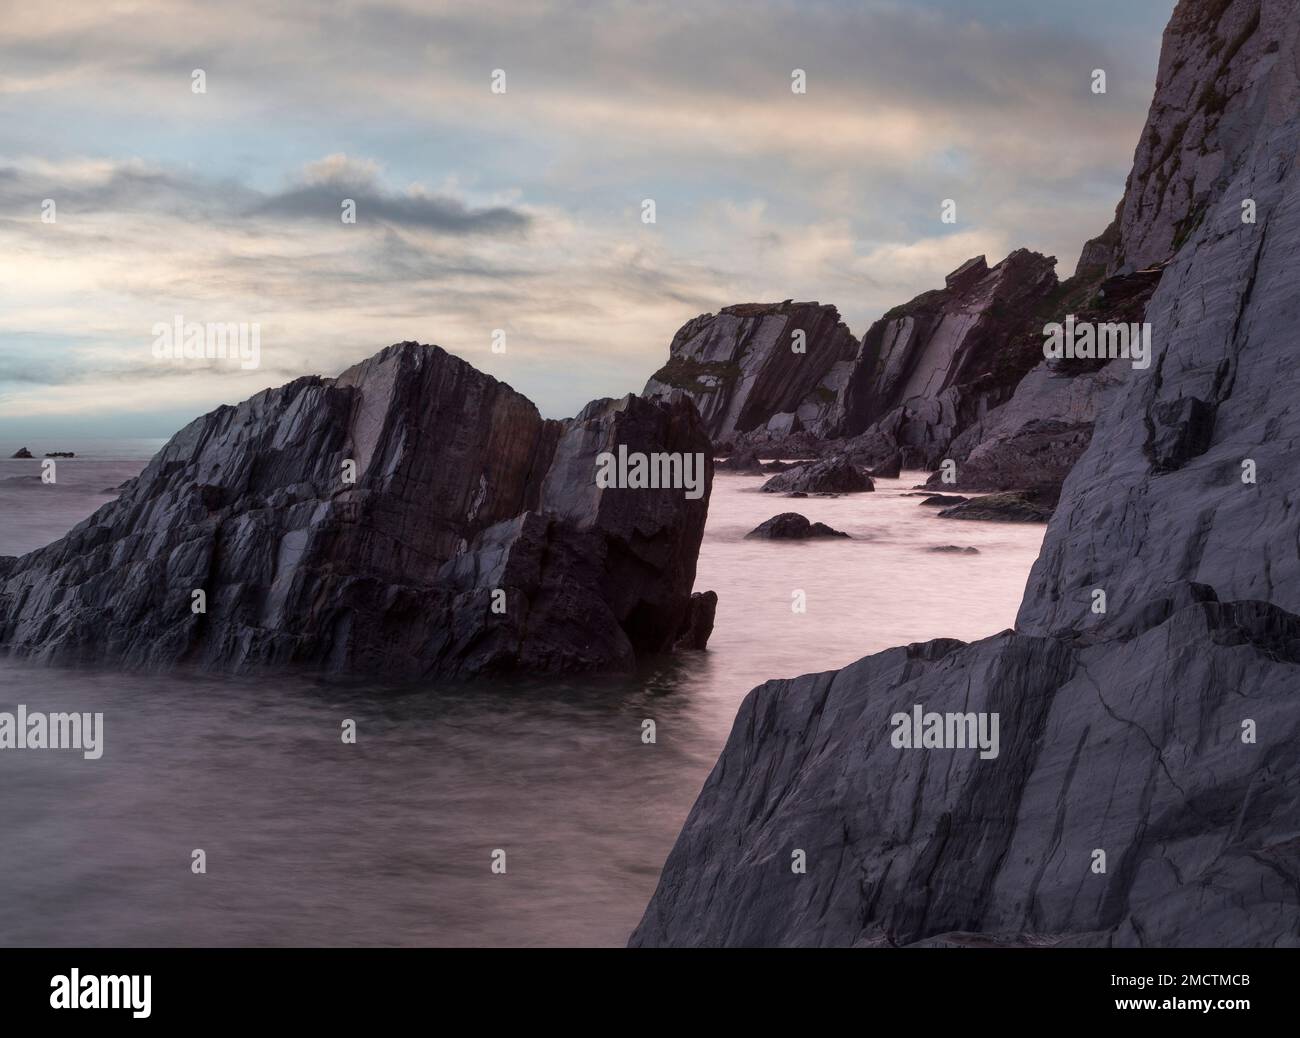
(519, 210)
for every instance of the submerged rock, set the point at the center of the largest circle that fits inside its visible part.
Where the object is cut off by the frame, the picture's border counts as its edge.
(792, 526)
(411, 517)
(1022, 506)
(952, 549)
(836, 475)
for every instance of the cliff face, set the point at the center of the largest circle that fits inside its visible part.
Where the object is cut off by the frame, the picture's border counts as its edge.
(1143, 790)
(948, 337)
(460, 490)
(764, 370)
(1213, 56)
(933, 367)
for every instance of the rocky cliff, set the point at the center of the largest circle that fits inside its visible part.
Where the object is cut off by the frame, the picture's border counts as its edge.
(411, 517)
(1141, 790)
(761, 371)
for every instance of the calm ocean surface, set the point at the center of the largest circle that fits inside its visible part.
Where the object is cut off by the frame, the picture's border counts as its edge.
(389, 842)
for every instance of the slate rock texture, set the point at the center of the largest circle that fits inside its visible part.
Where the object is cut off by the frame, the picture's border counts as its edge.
(1130, 745)
(834, 475)
(461, 490)
(741, 368)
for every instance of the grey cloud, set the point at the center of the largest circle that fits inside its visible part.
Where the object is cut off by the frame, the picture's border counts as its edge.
(429, 212)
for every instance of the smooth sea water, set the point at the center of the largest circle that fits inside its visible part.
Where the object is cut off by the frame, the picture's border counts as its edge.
(389, 842)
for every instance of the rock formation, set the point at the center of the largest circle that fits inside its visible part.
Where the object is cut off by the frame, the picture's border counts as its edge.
(1143, 792)
(768, 371)
(21, 452)
(411, 517)
(834, 475)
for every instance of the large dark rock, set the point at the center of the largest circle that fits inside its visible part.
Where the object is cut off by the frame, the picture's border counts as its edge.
(21, 452)
(1131, 745)
(474, 538)
(791, 526)
(835, 475)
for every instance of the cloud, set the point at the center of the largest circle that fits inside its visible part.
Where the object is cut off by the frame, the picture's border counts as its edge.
(521, 211)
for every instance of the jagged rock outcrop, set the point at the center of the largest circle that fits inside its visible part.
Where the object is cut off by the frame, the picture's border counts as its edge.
(1033, 440)
(1131, 746)
(21, 452)
(1160, 732)
(933, 366)
(791, 526)
(764, 371)
(1213, 56)
(474, 537)
(834, 475)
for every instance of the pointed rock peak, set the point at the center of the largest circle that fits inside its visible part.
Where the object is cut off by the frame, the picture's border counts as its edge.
(968, 273)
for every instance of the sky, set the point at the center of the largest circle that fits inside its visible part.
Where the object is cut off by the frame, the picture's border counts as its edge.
(519, 210)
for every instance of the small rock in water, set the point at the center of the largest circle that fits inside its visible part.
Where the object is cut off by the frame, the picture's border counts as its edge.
(792, 526)
(22, 452)
(952, 549)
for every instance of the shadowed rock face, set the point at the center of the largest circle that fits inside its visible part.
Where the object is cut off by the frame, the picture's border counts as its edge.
(741, 369)
(1162, 732)
(461, 489)
(1131, 746)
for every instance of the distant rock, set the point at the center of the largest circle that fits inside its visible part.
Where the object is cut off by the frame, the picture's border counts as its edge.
(932, 366)
(792, 526)
(474, 537)
(942, 499)
(952, 549)
(1022, 506)
(60, 454)
(744, 461)
(742, 370)
(836, 475)
(22, 452)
